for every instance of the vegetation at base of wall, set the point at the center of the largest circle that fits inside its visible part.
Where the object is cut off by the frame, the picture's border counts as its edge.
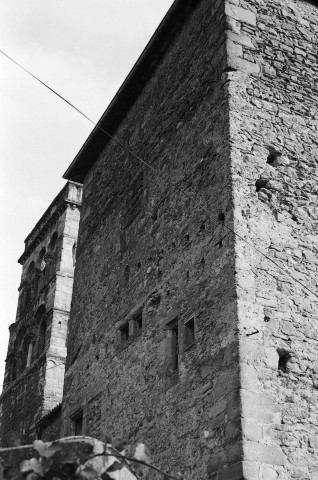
(61, 460)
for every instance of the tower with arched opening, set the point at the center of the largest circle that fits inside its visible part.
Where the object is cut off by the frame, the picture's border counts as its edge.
(33, 383)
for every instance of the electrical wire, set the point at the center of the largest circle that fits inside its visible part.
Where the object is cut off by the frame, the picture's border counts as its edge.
(181, 190)
(30, 375)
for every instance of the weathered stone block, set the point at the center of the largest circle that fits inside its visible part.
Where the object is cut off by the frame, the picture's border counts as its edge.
(244, 66)
(241, 14)
(267, 472)
(240, 39)
(252, 430)
(262, 453)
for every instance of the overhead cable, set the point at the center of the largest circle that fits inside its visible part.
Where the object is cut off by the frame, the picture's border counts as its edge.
(158, 174)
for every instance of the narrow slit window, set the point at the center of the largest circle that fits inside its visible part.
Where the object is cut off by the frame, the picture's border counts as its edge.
(173, 346)
(77, 421)
(283, 358)
(78, 430)
(189, 333)
(138, 324)
(124, 332)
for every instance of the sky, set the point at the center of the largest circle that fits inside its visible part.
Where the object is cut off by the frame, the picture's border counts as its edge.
(82, 49)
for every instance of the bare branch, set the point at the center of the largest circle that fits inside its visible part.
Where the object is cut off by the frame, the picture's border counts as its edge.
(132, 459)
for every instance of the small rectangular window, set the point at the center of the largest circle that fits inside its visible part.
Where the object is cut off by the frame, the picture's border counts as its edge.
(124, 332)
(137, 321)
(78, 426)
(189, 334)
(173, 345)
(77, 421)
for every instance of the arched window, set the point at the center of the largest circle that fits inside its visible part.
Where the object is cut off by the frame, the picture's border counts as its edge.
(52, 244)
(41, 330)
(52, 256)
(41, 264)
(13, 370)
(27, 295)
(74, 253)
(42, 337)
(27, 291)
(24, 354)
(30, 272)
(20, 348)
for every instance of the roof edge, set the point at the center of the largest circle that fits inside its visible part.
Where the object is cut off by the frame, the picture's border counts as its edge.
(130, 89)
(50, 215)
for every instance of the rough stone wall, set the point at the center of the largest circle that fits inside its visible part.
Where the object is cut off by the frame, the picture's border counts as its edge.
(146, 247)
(21, 404)
(274, 119)
(231, 110)
(52, 430)
(49, 427)
(33, 382)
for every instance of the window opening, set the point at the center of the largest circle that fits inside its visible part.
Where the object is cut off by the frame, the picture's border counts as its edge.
(124, 332)
(78, 424)
(74, 253)
(189, 335)
(52, 244)
(30, 351)
(13, 373)
(24, 355)
(173, 345)
(138, 321)
(283, 361)
(41, 260)
(42, 335)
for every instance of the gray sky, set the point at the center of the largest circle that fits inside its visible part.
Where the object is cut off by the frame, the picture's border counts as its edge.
(82, 49)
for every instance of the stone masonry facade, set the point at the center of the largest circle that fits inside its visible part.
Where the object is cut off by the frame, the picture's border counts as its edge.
(273, 128)
(34, 375)
(194, 308)
(193, 322)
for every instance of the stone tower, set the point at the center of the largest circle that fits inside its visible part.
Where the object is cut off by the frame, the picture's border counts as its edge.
(194, 318)
(33, 382)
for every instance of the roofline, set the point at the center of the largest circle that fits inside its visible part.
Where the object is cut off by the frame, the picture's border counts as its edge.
(49, 414)
(130, 89)
(50, 215)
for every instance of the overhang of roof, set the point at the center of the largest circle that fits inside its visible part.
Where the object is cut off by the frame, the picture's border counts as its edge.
(130, 89)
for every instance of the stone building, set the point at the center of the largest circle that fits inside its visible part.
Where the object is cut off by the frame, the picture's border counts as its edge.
(193, 320)
(33, 383)
(194, 323)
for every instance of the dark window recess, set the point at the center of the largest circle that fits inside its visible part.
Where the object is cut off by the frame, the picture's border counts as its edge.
(124, 332)
(127, 273)
(138, 322)
(134, 200)
(173, 346)
(283, 361)
(189, 335)
(78, 424)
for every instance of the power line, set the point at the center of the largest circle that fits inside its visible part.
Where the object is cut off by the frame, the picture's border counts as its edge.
(158, 174)
(30, 375)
